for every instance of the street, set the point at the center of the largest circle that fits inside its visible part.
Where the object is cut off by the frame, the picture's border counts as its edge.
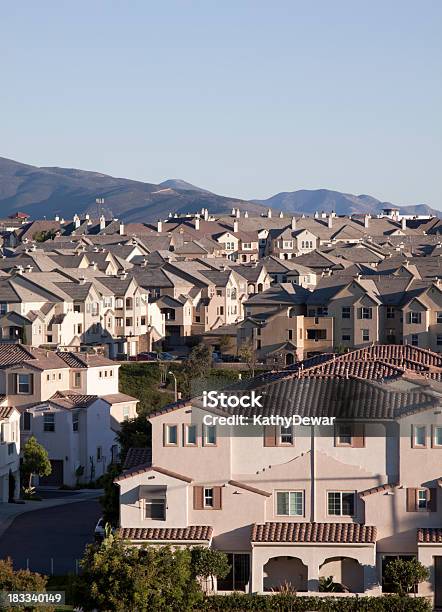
(60, 533)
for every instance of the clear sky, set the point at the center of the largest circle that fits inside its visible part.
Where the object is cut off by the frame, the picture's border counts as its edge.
(245, 98)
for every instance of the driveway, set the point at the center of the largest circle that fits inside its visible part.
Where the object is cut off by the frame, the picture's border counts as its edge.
(59, 533)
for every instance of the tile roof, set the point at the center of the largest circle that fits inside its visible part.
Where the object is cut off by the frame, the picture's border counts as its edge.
(83, 360)
(193, 533)
(118, 398)
(135, 471)
(6, 411)
(379, 489)
(12, 354)
(429, 535)
(246, 487)
(137, 457)
(339, 533)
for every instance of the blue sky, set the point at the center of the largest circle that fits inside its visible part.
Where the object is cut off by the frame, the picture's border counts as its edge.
(245, 98)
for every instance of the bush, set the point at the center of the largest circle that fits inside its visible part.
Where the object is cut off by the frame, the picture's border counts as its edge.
(292, 603)
(21, 580)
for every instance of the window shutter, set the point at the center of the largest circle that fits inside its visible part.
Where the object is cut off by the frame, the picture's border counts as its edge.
(217, 498)
(411, 499)
(12, 384)
(198, 502)
(432, 500)
(270, 435)
(358, 438)
(31, 383)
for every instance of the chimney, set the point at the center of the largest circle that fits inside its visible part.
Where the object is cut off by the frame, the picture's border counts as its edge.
(102, 222)
(81, 280)
(246, 215)
(19, 269)
(235, 226)
(404, 224)
(269, 213)
(206, 214)
(93, 265)
(233, 212)
(238, 213)
(28, 269)
(281, 215)
(76, 220)
(86, 216)
(293, 223)
(197, 223)
(122, 274)
(56, 218)
(121, 229)
(316, 215)
(330, 221)
(366, 221)
(159, 226)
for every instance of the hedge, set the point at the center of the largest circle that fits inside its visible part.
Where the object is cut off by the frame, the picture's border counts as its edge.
(292, 603)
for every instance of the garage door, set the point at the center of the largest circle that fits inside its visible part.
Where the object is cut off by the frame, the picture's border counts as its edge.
(55, 478)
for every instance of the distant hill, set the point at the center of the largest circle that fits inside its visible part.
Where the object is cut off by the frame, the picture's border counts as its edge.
(44, 192)
(308, 201)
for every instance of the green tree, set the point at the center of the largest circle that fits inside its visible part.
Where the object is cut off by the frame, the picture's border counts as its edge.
(21, 580)
(110, 500)
(225, 343)
(248, 354)
(119, 577)
(197, 366)
(44, 235)
(35, 460)
(209, 563)
(134, 433)
(405, 574)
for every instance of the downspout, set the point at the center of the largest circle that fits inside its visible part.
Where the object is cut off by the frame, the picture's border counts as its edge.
(312, 476)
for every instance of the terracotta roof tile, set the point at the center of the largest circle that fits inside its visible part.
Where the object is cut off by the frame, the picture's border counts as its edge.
(194, 533)
(151, 468)
(429, 535)
(6, 411)
(380, 489)
(342, 533)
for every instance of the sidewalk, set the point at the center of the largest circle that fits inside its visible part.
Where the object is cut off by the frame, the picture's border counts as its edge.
(8, 512)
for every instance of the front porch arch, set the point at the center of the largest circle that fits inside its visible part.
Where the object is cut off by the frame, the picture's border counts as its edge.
(345, 570)
(282, 570)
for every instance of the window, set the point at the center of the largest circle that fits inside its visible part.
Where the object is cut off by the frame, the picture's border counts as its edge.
(365, 335)
(322, 311)
(421, 499)
(439, 316)
(23, 383)
(75, 419)
(128, 321)
(414, 317)
(439, 339)
(3, 308)
(210, 435)
(208, 498)
(155, 509)
(26, 421)
(239, 574)
(366, 313)
(99, 453)
(419, 436)
(190, 435)
(437, 436)
(171, 435)
(48, 421)
(341, 503)
(344, 435)
(316, 334)
(414, 340)
(286, 435)
(290, 334)
(346, 312)
(125, 413)
(290, 503)
(346, 337)
(390, 312)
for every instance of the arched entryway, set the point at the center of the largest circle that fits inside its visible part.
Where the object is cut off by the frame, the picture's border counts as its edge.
(289, 359)
(281, 571)
(344, 570)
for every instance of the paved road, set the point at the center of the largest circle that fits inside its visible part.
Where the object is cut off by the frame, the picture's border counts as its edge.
(60, 533)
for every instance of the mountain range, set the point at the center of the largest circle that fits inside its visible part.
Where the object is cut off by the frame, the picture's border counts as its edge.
(44, 192)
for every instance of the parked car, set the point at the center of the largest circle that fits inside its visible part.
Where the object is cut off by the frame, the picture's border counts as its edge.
(166, 357)
(99, 531)
(147, 356)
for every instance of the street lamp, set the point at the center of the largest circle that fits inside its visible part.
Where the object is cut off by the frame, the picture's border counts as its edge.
(175, 384)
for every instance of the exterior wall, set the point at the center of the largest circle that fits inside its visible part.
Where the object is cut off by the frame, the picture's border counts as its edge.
(9, 455)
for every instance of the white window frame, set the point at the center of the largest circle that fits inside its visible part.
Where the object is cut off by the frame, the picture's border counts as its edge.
(27, 384)
(289, 493)
(208, 496)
